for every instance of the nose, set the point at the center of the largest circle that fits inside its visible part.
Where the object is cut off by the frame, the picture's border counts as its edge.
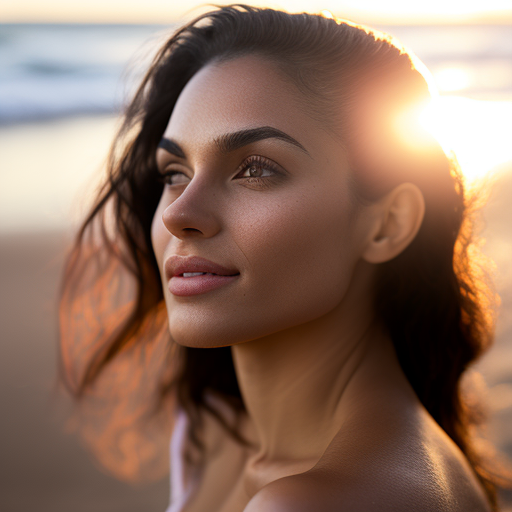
(195, 212)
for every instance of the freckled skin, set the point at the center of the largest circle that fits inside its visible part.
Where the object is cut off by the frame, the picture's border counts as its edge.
(335, 423)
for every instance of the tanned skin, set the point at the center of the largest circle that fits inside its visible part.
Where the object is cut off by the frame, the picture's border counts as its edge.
(335, 425)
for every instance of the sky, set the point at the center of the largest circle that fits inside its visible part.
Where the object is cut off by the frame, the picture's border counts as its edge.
(165, 11)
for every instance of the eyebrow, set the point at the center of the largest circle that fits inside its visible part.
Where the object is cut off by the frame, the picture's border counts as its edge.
(236, 140)
(171, 147)
(233, 141)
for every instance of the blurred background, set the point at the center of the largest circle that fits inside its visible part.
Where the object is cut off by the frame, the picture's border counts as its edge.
(66, 69)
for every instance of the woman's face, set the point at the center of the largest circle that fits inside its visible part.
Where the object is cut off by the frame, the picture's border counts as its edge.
(254, 184)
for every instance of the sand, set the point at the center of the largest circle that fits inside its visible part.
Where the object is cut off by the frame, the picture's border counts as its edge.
(41, 467)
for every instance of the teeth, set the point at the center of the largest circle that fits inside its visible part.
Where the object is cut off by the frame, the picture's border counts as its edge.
(192, 274)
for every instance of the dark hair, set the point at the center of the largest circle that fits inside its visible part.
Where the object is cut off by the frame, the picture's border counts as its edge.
(431, 298)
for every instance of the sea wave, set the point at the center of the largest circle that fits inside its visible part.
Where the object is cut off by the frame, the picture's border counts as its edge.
(59, 70)
(49, 70)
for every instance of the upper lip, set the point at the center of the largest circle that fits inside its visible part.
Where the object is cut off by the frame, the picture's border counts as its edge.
(176, 265)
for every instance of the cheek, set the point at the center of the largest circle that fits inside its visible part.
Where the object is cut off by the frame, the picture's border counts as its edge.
(301, 254)
(296, 251)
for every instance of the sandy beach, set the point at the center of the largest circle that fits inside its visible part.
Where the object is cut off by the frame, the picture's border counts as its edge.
(42, 467)
(45, 469)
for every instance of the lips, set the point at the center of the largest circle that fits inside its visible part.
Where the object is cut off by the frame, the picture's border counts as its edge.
(201, 275)
(178, 265)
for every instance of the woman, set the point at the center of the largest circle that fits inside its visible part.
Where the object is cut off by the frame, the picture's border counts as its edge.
(272, 186)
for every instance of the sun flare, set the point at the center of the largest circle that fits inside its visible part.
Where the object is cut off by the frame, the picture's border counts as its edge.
(478, 132)
(453, 79)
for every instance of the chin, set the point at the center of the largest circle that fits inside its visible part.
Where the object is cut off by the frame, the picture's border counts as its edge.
(212, 329)
(199, 331)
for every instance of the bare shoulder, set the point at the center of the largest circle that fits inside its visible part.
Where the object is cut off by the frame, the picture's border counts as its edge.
(321, 493)
(424, 474)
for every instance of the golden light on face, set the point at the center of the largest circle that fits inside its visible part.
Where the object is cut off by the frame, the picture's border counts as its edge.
(479, 132)
(211, 207)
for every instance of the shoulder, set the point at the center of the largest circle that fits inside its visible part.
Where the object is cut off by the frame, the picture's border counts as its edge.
(427, 476)
(317, 494)
(322, 493)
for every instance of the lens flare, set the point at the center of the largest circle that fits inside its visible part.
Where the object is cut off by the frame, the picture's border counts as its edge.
(452, 79)
(478, 132)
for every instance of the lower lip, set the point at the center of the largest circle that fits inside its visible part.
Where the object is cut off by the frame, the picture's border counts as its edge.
(184, 286)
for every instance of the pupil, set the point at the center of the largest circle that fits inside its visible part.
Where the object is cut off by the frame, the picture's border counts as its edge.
(253, 171)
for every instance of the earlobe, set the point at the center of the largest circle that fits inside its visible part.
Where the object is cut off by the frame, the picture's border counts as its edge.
(397, 223)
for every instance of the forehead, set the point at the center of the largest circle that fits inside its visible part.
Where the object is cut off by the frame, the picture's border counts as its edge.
(242, 93)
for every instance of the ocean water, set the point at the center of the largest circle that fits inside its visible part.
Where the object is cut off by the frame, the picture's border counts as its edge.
(50, 71)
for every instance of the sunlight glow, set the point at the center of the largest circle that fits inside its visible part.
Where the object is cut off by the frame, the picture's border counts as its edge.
(452, 79)
(327, 14)
(405, 11)
(479, 132)
(158, 11)
(439, 7)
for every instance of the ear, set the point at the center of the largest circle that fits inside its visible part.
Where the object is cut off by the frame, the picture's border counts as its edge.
(398, 220)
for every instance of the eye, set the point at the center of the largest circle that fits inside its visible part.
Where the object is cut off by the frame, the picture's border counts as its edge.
(257, 167)
(174, 178)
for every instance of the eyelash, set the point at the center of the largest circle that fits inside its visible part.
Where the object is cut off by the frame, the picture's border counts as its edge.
(261, 163)
(253, 161)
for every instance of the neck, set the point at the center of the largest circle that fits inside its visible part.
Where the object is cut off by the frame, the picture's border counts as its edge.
(293, 381)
